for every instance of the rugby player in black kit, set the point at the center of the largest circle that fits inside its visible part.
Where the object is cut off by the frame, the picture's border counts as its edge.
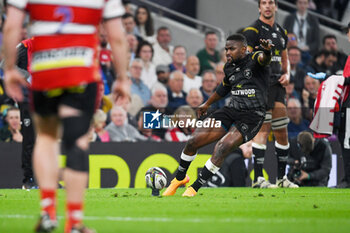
(276, 115)
(246, 78)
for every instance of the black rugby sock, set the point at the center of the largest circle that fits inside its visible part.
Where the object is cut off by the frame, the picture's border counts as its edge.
(185, 162)
(208, 171)
(258, 162)
(204, 175)
(282, 156)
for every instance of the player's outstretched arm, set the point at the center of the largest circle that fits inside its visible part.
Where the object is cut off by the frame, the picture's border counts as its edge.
(14, 80)
(202, 109)
(266, 47)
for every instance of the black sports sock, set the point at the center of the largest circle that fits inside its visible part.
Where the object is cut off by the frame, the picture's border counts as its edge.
(258, 162)
(181, 171)
(282, 156)
(204, 175)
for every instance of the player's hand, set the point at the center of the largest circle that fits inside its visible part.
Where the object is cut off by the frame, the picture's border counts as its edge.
(266, 44)
(318, 76)
(14, 81)
(202, 110)
(284, 80)
(122, 90)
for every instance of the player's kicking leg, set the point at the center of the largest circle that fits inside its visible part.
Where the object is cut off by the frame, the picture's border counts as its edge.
(200, 138)
(223, 147)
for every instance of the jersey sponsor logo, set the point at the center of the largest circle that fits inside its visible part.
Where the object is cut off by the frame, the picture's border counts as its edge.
(62, 58)
(274, 35)
(247, 92)
(248, 73)
(276, 59)
(266, 28)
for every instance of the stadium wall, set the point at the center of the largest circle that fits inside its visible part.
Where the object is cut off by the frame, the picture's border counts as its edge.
(123, 165)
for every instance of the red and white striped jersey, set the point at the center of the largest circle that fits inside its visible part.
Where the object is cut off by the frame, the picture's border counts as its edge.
(65, 45)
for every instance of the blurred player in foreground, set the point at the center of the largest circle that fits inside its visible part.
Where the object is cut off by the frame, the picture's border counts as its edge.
(64, 90)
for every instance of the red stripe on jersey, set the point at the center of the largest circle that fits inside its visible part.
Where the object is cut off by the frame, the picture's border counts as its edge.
(65, 77)
(62, 41)
(57, 13)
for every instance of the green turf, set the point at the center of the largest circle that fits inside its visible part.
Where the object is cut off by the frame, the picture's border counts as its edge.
(213, 210)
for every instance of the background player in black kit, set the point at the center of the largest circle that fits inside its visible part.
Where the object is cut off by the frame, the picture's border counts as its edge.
(276, 115)
(246, 78)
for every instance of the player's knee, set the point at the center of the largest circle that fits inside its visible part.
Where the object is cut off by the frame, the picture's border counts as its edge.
(73, 129)
(192, 144)
(223, 147)
(268, 117)
(279, 123)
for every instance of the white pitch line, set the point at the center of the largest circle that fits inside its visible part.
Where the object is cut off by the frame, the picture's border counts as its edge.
(190, 220)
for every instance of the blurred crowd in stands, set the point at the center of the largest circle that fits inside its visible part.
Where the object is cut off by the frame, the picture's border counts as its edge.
(164, 77)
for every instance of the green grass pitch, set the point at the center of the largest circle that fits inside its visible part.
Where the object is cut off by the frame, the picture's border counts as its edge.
(212, 210)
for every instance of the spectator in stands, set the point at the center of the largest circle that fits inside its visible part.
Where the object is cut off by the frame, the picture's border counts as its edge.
(133, 44)
(219, 74)
(105, 59)
(179, 58)
(209, 56)
(119, 129)
(10, 132)
(293, 42)
(191, 79)
(296, 122)
(148, 74)
(130, 26)
(99, 123)
(138, 87)
(159, 101)
(181, 134)
(163, 74)
(308, 96)
(305, 26)
(176, 96)
(291, 92)
(208, 84)
(297, 73)
(312, 160)
(324, 62)
(162, 49)
(106, 103)
(194, 98)
(126, 104)
(147, 132)
(330, 44)
(144, 22)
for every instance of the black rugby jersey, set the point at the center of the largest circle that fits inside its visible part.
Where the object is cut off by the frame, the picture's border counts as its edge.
(277, 35)
(247, 80)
